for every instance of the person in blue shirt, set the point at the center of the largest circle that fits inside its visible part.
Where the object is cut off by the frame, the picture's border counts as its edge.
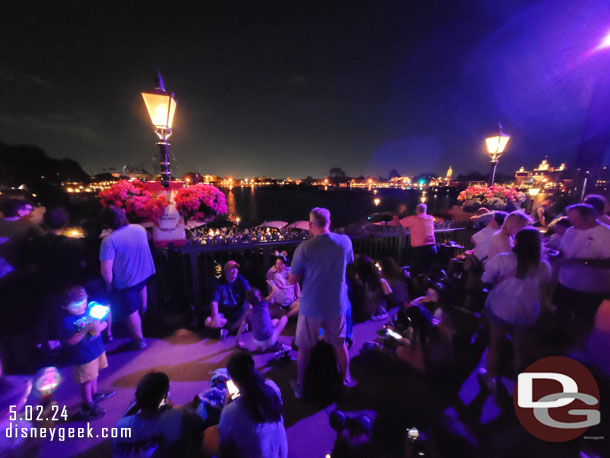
(228, 303)
(320, 263)
(85, 347)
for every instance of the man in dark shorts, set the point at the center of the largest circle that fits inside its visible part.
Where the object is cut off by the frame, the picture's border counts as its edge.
(423, 241)
(126, 264)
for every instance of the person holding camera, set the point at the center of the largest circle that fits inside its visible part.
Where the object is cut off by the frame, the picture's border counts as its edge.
(251, 425)
(82, 337)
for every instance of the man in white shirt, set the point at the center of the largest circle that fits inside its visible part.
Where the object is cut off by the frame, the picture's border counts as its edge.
(482, 238)
(584, 272)
(502, 241)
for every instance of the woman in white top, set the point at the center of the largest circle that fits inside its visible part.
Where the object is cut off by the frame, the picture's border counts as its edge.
(287, 296)
(519, 282)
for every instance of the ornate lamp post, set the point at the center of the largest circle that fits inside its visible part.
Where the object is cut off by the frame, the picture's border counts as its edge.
(495, 148)
(161, 108)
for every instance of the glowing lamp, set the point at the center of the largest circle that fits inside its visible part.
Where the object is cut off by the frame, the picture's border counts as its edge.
(161, 108)
(495, 147)
(98, 311)
(377, 201)
(533, 192)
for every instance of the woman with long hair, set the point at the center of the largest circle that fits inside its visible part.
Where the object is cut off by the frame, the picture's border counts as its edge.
(252, 424)
(519, 282)
(397, 280)
(371, 289)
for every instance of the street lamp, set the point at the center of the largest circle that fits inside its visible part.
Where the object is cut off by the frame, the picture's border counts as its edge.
(495, 148)
(161, 108)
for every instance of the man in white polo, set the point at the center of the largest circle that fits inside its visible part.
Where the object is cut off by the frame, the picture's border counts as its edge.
(320, 263)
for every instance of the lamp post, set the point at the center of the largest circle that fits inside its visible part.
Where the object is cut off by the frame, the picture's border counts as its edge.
(161, 108)
(495, 148)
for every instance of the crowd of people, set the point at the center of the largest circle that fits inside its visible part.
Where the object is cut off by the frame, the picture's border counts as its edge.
(514, 276)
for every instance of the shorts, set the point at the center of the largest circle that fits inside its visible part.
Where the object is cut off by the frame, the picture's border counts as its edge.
(128, 300)
(308, 330)
(89, 371)
(264, 344)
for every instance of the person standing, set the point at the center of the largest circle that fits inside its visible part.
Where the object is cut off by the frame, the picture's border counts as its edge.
(423, 243)
(482, 239)
(502, 241)
(320, 263)
(584, 271)
(126, 266)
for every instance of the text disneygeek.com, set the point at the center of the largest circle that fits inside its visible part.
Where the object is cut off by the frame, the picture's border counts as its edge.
(60, 433)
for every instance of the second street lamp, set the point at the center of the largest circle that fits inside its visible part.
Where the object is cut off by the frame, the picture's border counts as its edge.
(161, 108)
(495, 147)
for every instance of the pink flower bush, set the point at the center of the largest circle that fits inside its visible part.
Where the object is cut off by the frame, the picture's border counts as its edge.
(139, 204)
(200, 202)
(495, 196)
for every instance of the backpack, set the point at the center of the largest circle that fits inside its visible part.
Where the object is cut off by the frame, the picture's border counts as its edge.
(322, 380)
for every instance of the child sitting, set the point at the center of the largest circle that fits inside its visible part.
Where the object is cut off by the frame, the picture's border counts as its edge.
(265, 331)
(82, 336)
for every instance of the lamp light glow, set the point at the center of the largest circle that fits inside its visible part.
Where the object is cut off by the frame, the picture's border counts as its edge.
(98, 311)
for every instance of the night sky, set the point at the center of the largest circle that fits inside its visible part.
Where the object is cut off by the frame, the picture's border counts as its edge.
(295, 88)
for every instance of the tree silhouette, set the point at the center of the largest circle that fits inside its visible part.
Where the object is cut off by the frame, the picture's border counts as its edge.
(393, 174)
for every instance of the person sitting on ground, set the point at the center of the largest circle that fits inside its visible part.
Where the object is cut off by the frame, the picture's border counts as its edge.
(157, 428)
(558, 226)
(265, 331)
(397, 281)
(287, 295)
(374, 291)
(427, 347)
(520, 282)
(17, 229)
(502, 240)
(601, 207)
(82, 337)
(251, 426)
(272, 270)
(228, 303)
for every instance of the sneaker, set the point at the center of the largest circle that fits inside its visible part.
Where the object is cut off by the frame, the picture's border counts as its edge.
(92, 412)
(380, 316)
(103, 395)
(296, 389)
(278, 346)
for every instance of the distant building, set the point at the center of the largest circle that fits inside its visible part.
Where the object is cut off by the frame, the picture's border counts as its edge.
(543, 177)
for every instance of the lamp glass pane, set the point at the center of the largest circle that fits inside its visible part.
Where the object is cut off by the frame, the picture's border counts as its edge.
(161, 109)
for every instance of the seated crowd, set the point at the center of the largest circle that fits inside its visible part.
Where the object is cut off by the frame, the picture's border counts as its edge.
(514, 278)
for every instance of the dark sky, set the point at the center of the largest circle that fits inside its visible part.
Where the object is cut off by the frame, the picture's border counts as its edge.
(295, 88)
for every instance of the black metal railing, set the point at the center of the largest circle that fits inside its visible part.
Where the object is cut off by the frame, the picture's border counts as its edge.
(187, 274)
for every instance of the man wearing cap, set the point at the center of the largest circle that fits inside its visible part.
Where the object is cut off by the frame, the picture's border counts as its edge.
(227, 306)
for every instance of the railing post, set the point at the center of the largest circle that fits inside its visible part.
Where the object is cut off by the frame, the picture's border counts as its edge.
(195, 279)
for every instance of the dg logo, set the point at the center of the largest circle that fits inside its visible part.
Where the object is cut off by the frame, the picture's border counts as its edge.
(557, 399)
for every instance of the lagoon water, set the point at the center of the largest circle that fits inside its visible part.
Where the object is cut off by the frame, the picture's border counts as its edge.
(291, 203)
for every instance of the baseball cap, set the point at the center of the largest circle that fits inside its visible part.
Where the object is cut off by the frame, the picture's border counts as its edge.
(230, 264)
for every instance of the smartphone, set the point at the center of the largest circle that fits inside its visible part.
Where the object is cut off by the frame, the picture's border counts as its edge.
(233, 391)
(163, 402)
(394, 334)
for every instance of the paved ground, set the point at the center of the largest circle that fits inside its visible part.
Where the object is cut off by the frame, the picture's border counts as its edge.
(188, 359)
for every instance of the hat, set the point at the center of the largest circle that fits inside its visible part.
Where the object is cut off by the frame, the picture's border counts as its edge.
(230, 265)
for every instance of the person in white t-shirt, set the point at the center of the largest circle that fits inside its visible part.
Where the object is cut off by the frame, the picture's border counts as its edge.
(502, 241)
(584, 272)
(482, 239)
(519, 282)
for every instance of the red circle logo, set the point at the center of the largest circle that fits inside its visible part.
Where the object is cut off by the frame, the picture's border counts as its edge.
(557, 399)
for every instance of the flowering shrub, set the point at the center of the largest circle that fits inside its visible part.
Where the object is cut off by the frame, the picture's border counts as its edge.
(200, 202)
(495, 197)
(139, 204)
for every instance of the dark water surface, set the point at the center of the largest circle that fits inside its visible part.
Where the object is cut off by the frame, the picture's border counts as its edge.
(288, 203)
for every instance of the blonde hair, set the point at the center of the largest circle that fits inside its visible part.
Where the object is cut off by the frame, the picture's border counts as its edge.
(320, 217)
